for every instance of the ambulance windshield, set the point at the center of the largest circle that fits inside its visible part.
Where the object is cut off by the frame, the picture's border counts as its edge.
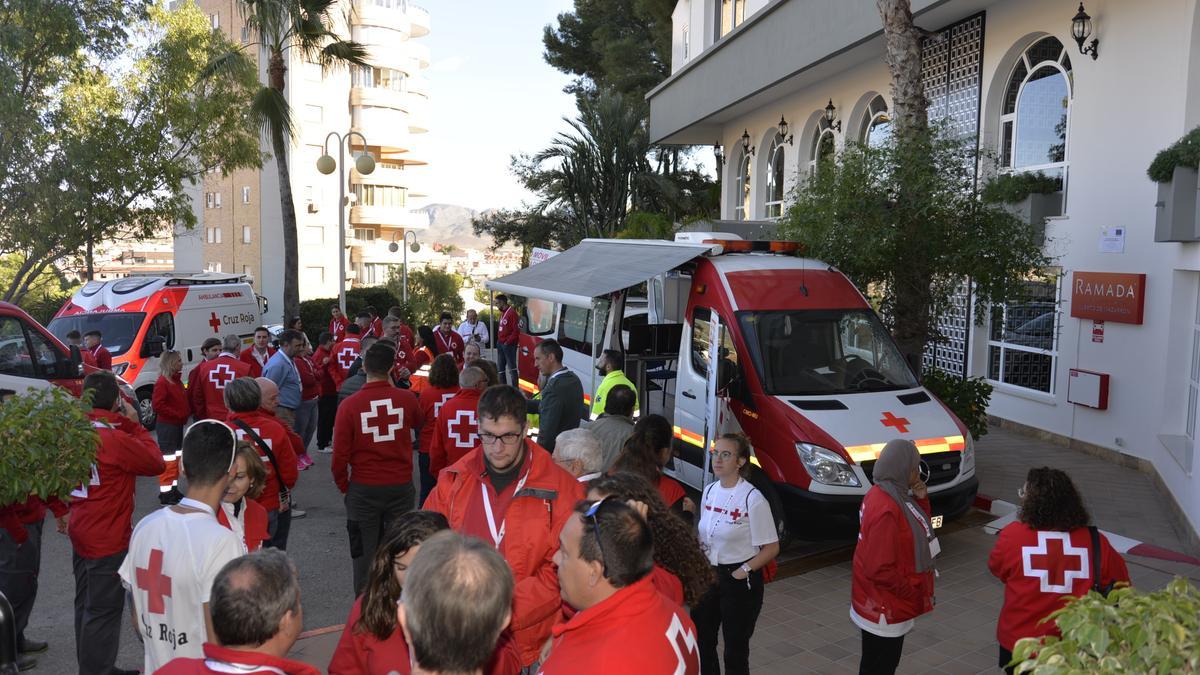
(117, 329)
(822, 352)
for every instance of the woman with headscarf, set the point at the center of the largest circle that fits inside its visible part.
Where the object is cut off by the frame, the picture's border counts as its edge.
(893, 563)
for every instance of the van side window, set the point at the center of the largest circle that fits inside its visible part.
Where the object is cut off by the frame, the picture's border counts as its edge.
(539, 316)
(14, 351)
(44, 353)
(576, 324)
(701, 322)
(163, 326)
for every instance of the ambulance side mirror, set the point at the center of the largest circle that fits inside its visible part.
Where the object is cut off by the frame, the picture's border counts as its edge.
(72, 366)
(154, 346)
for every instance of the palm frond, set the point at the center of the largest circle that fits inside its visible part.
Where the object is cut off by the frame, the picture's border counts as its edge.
(344, 52)
(271, 112)
(233, 64)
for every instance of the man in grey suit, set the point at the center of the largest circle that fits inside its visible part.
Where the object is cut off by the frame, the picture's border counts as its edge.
(561, 406)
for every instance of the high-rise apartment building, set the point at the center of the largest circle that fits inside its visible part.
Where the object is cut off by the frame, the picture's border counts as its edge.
(239, 222)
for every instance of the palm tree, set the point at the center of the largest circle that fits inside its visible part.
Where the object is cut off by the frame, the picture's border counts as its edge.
(279, 26)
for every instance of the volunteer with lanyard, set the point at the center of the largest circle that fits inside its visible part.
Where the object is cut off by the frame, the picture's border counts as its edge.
(508, 491)
(737, 532)
(893, 570)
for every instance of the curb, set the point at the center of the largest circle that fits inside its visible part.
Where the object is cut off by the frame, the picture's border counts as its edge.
(1006, 512)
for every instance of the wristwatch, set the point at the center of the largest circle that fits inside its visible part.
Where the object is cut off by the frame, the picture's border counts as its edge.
(746, 568)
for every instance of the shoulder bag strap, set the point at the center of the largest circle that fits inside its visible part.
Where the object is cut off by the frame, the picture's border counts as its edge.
(1097, 583)
(265, 448)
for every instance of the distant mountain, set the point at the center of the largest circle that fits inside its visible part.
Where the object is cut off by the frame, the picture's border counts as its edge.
(451, 224)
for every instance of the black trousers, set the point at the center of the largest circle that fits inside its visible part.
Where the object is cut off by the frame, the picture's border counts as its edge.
(428, 480)
(506, 357)
(326, 413)
(19, 566)
(99, 612)
(880, 655)
(1005, 657)
(732, 606)
(369, 511)
(279, 525)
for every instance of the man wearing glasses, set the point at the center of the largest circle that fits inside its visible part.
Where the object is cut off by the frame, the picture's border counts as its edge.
(508, 491)
(623, 625)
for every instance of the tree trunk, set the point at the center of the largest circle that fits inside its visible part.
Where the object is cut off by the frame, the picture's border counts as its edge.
(912, 277)
(291, 251)
(90, 257)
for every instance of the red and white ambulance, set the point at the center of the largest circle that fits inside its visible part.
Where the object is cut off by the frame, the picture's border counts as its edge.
(745, 336)
(139, 316)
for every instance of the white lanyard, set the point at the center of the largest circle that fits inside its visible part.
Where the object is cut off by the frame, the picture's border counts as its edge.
(226, 667)
(190, 503)
(712, 521)
(498, 535)
(446, 342)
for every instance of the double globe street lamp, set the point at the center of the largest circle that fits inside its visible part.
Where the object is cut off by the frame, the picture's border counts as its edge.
(364, 164)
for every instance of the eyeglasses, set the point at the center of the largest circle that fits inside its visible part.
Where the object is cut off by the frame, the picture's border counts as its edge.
(724, 455)
(509, 439)
(591, 513)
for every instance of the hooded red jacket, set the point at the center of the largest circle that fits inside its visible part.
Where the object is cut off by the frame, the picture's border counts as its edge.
(885, 582)
(1041, 569)
(102, 509)
(533, 520)
(636, 630)
(282, 445)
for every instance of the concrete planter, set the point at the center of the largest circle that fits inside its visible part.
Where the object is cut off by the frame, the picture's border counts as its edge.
(1177, 216)
(1036, 208)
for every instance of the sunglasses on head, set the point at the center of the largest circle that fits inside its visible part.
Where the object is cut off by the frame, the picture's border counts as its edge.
(232, 438)
(591, 514)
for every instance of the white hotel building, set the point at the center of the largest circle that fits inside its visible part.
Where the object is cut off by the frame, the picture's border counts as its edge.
(1009, 73)
(239, 228)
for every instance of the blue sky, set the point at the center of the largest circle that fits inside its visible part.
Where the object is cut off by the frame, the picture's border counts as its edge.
(491, 95)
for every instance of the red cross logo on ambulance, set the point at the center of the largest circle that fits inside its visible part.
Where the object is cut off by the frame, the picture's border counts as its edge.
(464, 435)
(382, 411)
(1040, 564)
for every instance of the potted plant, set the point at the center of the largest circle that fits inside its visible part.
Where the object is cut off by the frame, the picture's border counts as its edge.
(1127, 632)
(1030, 196)
(49, 445)
(1177, 216)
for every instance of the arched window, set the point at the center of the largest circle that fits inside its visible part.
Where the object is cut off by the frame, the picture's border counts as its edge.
(1037, 112)
(775, 178)
(741, 196)
(822, 146)
(876, 123)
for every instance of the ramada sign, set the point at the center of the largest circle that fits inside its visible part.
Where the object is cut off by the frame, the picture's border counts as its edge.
(1108, 296)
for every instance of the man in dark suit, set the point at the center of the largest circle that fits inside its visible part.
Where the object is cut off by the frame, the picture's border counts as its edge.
(561, 406)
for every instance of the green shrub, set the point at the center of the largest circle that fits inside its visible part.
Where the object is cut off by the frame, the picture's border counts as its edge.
(968, 398)
(1184, 152)
(49, 445)
(1010, 188)
(1127, 632)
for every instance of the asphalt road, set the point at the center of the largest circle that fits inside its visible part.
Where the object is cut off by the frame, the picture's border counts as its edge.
(317, 544)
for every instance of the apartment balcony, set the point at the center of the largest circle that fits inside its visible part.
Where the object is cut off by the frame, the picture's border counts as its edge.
(418, 17)
(418, 113)
(379, 97)
(417, 84)
(384, 127)
(779, 50)
(418, 51)
(374, 13)
(392, 217)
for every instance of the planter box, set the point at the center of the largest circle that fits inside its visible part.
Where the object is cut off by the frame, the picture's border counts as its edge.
(1176, 215)
(1036, 208)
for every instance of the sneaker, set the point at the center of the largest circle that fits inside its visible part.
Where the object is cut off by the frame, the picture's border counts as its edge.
(26, 646)
(300, 465)
(327, 450)
(26, 662)
(170, 497)
(297, 514)
(308, 461)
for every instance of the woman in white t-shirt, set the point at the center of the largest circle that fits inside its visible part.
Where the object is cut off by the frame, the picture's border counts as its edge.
(737, 533)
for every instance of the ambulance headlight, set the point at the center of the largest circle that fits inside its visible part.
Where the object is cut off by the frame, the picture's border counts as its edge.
(826, 466)
(968, 457)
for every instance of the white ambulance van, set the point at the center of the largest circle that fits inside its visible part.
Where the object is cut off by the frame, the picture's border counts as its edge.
(746, 336)
(139, 316)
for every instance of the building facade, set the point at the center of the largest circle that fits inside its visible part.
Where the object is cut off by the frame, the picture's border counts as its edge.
(1010, 74)
(239, 223)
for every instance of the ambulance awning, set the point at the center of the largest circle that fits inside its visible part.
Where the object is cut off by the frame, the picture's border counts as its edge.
(596, 267)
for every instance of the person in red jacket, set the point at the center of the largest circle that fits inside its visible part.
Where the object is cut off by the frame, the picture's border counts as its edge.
(455, 432)
(92, 342)
(310, 392)
(101, 521)
(172, 408)
(239, 511)
(244, 397)
(446, 340)
(1047, 556)
(338, 323)
(75, 339)
(376, 327)
(21, 561)
(441, 386)
(893, 568)
(372, 457)
(406, 336)
(245, 604)
(508, 334)
(509, 492)
(207, 381)
(259, 352)
(623, 625)
(327, 402)
(345, 353)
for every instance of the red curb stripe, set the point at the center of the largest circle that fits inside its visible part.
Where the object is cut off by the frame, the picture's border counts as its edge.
(316, 632)
(1158, 553)
(984, 502)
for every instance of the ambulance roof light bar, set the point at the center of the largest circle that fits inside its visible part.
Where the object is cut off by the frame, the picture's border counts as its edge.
(755, 246)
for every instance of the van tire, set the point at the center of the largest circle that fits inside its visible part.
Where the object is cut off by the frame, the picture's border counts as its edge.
(146, 413)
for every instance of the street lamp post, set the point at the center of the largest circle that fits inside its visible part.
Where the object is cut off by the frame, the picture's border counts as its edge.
(364, 164)
(415, 249)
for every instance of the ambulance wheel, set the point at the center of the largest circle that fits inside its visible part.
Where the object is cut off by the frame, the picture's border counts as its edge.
(146, 407)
